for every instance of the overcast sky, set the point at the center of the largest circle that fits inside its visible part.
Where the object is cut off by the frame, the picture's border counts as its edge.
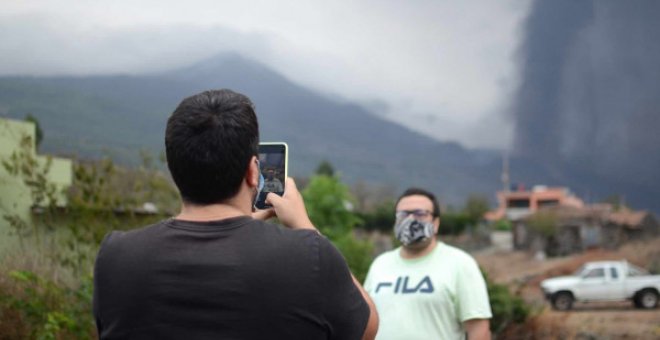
(445, 68)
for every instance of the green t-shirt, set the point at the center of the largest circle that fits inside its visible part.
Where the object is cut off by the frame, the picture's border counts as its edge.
(428, 297)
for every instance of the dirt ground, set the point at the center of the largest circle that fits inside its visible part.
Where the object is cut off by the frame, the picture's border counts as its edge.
(612, 320)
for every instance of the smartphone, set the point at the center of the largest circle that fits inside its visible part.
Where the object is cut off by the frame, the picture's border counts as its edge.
(273, 160)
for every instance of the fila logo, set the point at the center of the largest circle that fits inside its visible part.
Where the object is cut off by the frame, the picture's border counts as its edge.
(401, 286)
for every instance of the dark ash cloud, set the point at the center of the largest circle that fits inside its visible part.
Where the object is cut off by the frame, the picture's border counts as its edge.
(589, 97)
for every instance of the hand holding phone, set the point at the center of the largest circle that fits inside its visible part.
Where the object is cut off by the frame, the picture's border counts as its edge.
(273, 161)
(290, 208)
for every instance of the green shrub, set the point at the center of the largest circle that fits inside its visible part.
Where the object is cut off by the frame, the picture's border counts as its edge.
(503, 225)
(507, 308)
(454, 223)
(54, 301)
(46, 309)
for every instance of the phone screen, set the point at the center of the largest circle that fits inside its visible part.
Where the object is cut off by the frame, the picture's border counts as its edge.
(273, 160)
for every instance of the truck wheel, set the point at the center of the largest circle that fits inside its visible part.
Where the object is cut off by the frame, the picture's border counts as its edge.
(647, 299)
(562, 301)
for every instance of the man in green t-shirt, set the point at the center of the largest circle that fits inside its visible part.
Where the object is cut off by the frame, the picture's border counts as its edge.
(426, 289)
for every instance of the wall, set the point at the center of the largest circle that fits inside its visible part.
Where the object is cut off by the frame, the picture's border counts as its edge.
(15, 196)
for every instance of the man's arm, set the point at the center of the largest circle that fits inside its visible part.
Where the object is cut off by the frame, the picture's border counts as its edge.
(477, 329)
(290, 210)
(372, 325)
(473, 302)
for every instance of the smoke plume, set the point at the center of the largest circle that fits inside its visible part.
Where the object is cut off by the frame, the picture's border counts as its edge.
(589, 99)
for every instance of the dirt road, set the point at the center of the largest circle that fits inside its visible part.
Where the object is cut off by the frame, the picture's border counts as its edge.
(522, 273)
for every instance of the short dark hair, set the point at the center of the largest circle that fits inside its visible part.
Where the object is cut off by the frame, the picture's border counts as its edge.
(421, 192)
(209, 141)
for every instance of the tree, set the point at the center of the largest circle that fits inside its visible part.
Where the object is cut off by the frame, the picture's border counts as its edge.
(544, 222)
(325, 168)
(475, 207)
(618, 201)
(327, 201)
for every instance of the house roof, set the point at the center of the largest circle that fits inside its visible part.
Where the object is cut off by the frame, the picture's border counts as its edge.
(599, 212)
(572, 212)
(628, 218)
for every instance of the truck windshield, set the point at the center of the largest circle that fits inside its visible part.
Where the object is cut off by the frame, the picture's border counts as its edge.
(579, 271)
(595, 273)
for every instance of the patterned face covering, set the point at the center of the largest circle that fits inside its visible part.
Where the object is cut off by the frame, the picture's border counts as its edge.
(410, 230)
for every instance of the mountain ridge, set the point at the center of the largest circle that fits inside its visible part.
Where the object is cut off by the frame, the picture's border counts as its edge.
(120, 114)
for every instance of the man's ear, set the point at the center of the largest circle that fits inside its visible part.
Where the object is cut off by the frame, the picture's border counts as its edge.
(436, 224)
(252, 175)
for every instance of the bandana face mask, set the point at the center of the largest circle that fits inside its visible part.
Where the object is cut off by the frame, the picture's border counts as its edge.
(410, 230)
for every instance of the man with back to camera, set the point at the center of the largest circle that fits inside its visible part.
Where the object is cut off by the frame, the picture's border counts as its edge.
(217, 270)
(426, 289)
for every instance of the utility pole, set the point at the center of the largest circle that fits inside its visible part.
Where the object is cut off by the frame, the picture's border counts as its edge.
(505, 172)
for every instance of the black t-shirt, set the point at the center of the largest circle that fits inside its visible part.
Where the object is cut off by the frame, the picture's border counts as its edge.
(237, 278)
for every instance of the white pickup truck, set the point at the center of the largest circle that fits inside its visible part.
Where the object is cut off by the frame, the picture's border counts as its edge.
(604, 281)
